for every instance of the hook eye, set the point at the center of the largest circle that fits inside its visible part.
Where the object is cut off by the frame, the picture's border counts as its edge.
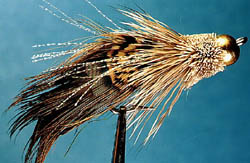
(241, 41)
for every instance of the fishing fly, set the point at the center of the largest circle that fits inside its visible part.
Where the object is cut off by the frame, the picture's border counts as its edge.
(143, 68)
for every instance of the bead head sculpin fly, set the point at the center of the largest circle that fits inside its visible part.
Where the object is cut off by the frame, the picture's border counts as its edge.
(144, 68)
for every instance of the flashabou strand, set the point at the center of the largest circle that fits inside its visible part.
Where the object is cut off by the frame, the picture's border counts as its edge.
(58, 44)
(68, 19)
(51, 55)
(101, 13)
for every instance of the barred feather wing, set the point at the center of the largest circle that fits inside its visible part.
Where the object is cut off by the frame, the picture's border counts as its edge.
(136, 68)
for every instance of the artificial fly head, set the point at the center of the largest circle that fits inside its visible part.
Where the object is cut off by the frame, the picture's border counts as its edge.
(230, 48)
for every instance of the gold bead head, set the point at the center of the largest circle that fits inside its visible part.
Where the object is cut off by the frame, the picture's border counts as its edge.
(230, 48)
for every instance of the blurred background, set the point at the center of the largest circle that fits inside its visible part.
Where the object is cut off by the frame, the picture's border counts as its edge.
(210, 122)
